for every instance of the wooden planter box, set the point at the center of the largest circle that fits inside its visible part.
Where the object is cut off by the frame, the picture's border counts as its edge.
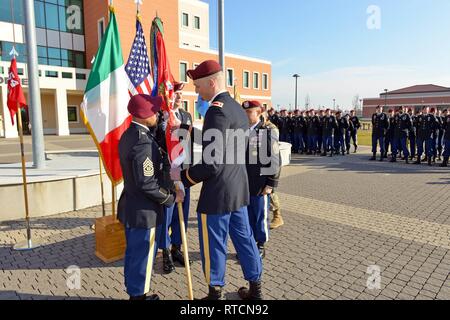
(110, 241)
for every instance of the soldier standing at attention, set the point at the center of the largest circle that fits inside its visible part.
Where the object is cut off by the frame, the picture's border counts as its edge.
(389, 138)
(446, 141)
(356, 126)
(412, 134)
(403, 125)
(339, 137)
(380, 125)
(262, 177)
(313, 132)
(421, 134)
(329, 127)
(319, 134)
(141, 203)
(283, 126)
(224, 197)
(440, 135)
(348, 132)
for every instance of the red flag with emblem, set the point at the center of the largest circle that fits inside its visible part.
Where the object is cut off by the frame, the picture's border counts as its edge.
(16, 98)
(164, 86)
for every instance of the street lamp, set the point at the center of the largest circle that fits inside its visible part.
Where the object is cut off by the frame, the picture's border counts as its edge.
(296, 76)
(334, 104)
(385, 99)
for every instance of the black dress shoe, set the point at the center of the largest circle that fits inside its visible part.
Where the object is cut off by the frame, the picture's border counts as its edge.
(168, 265)
(178, 256)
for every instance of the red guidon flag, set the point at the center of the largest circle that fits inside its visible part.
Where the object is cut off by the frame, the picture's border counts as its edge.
(16, 98)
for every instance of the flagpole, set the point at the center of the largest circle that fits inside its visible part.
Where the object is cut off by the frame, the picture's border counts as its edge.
(28, 244)
(113, 200)
(187, 266)
(101, 185)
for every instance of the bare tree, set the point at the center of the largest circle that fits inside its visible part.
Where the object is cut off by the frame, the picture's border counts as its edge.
(307, 101)
(355, 103)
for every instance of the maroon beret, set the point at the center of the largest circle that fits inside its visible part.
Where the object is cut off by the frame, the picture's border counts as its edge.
(178, 86)
(327, 110)
(251, 104)
(205, 69)
(390, 110)
(143, 106)
(410, 109)
(432, 110)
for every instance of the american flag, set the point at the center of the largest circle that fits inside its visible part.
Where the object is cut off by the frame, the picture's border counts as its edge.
(138, 65)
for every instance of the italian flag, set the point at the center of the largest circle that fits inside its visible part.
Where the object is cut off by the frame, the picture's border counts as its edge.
(104, 106)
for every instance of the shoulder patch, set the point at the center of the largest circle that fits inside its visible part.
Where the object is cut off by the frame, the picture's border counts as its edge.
(217, 104)
(148, 168)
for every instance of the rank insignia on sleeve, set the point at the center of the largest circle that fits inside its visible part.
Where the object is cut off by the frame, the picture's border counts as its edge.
(148, 168)
(217, 104)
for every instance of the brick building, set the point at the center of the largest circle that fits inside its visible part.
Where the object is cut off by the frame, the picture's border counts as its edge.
(414, 97)
(65, 52)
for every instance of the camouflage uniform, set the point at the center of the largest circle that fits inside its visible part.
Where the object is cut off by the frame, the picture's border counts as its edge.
(277, 220)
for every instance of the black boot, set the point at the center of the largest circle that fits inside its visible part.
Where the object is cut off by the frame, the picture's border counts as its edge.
(444, 163)
(177, 255)
(406, 160)
(261, 249)
(393, 158)
(214, 293)
(429, 161)
(418, 161)
(144, 297)
(254, 293)
(356, 149)
(375, 157)
(168, 265)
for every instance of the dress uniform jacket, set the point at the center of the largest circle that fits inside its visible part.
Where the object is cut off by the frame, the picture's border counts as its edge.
(380, 124)
(225, 186)
(356, 123)
(143, 197)
(262, 141)
(329, 125)
(446, 126)
(313, 126)
(428, 125)
(403, 125)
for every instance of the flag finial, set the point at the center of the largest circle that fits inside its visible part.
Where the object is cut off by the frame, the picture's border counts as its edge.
(14, 52)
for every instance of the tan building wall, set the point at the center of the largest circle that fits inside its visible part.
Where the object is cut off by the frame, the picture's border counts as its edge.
(168, 11)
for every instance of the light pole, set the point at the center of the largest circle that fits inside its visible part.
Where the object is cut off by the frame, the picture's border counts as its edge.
(360, 106)
(334, 104)
(385, 98)
(296, 76)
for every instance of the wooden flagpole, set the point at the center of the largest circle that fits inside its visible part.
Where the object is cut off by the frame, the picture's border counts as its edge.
(101, 185)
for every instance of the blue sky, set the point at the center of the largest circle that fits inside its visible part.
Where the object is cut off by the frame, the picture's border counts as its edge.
(330, 45)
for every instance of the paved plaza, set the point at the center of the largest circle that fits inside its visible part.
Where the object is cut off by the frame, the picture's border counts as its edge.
(344, 216)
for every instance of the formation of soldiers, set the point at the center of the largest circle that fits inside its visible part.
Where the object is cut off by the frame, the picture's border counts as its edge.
(323, 132)
(234, 200)
(409, 135)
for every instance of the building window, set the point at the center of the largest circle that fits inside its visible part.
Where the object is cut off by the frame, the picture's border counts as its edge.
(265, 81)
(246, 79)
(185, 20)
(81, 76)
(255, 80)
(67, 75)
(51, 74)
(101, 29)
(197, 23)
(183, 70)
(230, 77)
(72, 113)
(185, 105)
(197, 116)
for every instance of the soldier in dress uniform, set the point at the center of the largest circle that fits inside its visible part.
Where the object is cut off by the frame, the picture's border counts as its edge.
(439, 136)
(283, 126)
(185, 118)
(389, 138)
(403, 125)
(319, 133)
(421, 134)
(356, 126)
(141, 203)
(329, 127)
(224, 197)
(313, 132)
(412, 134)
(339, 135)
(380, 125)
(348, 133)
(446, 138)
(262, 176)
